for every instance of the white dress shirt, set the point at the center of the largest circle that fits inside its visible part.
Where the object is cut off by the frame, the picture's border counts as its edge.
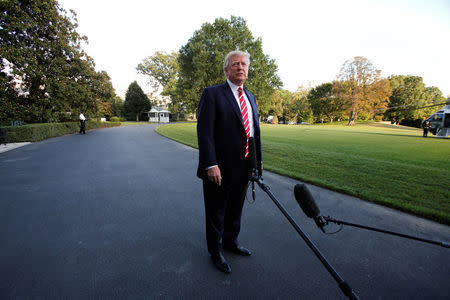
(234, 88)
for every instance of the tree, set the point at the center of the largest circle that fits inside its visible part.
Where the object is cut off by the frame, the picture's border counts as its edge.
(201, 63)
(103, 93)
(320, 99)
(361, 86)
(434, 95)
(117, 106)
(291, 106)
(45, 73)
(326, 105)
(377, 99)
(276, 104)
(136, 102)
(299, 107)
(409, 96)
(162, 68)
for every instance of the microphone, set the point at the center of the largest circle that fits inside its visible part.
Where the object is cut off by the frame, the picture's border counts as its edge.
(252, 164)
(254, 168)
(308, 205)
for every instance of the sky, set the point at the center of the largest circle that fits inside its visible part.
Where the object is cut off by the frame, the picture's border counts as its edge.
(309, 40)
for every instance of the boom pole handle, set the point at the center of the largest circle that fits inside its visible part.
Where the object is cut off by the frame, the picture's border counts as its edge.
(344, 286)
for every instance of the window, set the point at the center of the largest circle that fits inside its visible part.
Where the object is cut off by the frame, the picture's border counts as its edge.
(437, 117)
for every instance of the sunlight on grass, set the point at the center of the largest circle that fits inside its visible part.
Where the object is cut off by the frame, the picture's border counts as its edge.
(128, 123)
(391, 165)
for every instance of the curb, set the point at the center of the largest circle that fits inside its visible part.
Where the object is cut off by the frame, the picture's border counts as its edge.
(11, 146)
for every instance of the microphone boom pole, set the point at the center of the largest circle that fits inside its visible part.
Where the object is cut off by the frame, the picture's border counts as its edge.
(339, 222)
(311, 210)
(344, 286)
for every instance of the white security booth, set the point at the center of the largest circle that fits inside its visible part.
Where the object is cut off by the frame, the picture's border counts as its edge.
(158, 115)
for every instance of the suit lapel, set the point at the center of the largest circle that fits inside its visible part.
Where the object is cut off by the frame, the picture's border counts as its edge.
(235, 107)
(232, 101)
(254, 109)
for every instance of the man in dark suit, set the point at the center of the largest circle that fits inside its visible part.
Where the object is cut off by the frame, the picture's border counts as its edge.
(227, 118)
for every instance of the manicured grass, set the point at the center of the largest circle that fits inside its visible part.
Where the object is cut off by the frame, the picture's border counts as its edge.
(390, 165)
(127, 123)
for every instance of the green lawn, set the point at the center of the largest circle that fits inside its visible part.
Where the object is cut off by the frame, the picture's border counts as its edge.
(128, 123)
(393, 166)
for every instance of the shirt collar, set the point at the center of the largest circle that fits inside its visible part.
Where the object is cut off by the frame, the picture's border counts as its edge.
(234, 87)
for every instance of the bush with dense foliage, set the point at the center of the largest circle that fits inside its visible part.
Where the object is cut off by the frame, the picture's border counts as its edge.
(42, 131)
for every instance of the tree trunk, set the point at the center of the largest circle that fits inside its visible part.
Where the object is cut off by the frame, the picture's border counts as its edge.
(353, 109)
(137, 117)
(351, 120)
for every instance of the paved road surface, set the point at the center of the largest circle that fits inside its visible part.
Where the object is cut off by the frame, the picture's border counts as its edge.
(117, 214)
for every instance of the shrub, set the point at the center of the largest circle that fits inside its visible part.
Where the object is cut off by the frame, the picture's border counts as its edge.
(115, 119)
(38, 132)
(412, 123)
(90, 124)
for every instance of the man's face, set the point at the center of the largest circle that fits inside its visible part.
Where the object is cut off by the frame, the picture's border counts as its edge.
(237, 70)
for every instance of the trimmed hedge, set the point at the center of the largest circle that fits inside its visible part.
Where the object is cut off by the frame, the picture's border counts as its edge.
(39, 132)
(412, 123)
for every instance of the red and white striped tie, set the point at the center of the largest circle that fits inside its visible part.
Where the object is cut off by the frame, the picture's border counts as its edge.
(244, 112)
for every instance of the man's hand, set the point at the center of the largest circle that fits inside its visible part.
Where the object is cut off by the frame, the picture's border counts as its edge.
(214, 175)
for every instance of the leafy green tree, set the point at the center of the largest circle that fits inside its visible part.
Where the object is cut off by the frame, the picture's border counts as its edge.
(201, 63)
(408, 95)
(288, 101)
(45, 73)
(299, 108)
(103, 93)
(117, 106)
(433, 96)
(10, 108)
(136, 102)
(277, 104)
(294, 106)
(162, 68)
(320, 98)
(288, 106)
(325, 103)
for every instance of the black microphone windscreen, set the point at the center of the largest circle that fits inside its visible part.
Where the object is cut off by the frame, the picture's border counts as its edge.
(251, 154)
(306, 201)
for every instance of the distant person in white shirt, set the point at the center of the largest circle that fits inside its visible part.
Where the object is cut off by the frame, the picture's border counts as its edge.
(82, 124)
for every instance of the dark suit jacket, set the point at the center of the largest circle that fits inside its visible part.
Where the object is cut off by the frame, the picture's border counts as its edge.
(221, 134)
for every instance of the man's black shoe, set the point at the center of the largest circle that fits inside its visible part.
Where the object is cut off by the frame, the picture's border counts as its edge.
(220, 263)
(238, 250)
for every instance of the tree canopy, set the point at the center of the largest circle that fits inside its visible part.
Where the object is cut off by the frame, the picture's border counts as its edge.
(410, 97)
(201, 63)
(325, 105)
(162, 68)
(361, 86)
(136, 102)
(44, 73)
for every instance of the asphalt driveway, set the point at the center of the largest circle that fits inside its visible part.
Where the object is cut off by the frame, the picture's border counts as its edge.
(118, 214)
